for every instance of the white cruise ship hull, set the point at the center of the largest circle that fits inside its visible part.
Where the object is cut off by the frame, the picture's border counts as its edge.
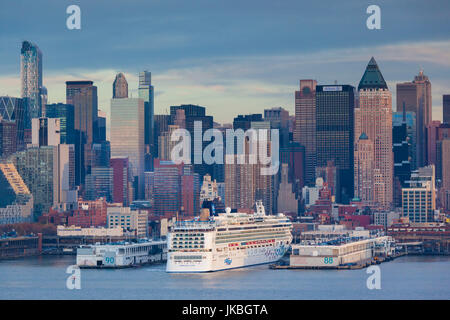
(207, 262)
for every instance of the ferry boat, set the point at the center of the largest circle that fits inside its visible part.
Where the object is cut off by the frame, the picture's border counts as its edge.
(122, 254)
(227, 240)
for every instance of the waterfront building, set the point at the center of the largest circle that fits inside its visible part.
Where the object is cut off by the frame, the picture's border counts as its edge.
(419, 198)
(131, 221)
(120, 86)
(417, 98)
(127, 137)
(16, 200)
(374, 118)
(305, 125)
(279, 120)
(335, 134)
(294, 156)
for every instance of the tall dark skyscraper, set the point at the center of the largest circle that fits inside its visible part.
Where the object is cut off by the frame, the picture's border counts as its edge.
(195, 113)
(417, 98)
(335, 134)
(305, 125)
(83, 96)
(446, 108)
(14, 109)
(146, 93)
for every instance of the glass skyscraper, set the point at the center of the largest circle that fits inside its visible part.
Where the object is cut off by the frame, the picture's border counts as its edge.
(31, 78)
(146, 93)
(335, 134)
(127, 136)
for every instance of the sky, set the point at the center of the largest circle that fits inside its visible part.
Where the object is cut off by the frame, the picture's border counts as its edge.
(233, 57)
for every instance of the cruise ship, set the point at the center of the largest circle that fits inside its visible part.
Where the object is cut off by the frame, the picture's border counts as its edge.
(122, 254)
(227, 240)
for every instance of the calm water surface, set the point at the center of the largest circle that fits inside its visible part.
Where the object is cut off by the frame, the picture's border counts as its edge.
(411, 277)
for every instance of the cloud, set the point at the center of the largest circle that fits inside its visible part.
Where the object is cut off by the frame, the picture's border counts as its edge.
(248, 84)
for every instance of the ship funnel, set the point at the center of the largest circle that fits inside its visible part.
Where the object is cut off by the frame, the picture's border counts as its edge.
(204, 214)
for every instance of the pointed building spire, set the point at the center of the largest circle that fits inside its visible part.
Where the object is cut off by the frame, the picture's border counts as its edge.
(372, 78)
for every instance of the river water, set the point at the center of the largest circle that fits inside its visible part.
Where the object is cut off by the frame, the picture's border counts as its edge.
(44, 277)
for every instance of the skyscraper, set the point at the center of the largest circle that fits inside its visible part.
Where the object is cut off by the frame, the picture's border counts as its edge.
(363, 167)
(13, 109)
(16, 201)
(279, 120)
(31, 78)
(66, 114)
(8, 137)
(127, 136)
(374, 118)
(305, 125)
(196, 114)
(147, 94)
(121, 180)
(335, 134)
(446, 108)
(45, 132)
(417, 98)
(402, 164)
(83, 96)
(161, 123)
(120, 86)
(419, 198)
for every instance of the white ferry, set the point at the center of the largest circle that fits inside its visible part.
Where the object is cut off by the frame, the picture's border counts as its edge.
(228, 240)
(123, 254)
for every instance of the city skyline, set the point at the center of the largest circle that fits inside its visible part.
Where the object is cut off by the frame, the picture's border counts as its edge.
(231, 74)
